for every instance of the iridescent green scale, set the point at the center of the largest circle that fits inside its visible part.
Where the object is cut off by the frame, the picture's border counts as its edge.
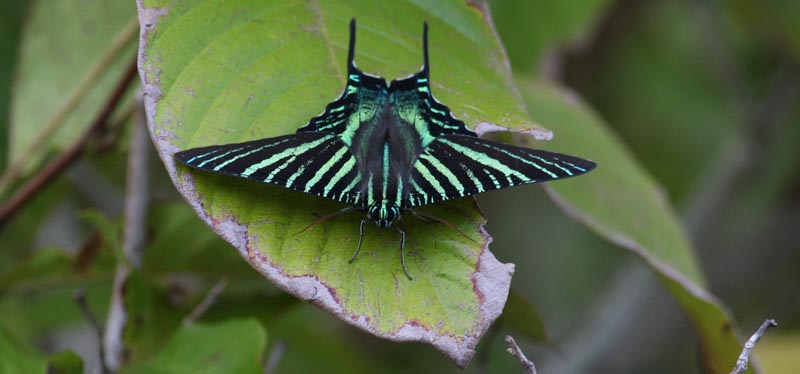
(385, 148)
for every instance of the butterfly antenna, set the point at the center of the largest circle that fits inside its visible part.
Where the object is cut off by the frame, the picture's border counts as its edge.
(351, 51)
(326, 217)
(440, 220)
(425, 66)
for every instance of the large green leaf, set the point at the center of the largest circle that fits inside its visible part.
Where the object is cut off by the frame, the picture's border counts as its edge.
(623, 204)
(70, 57)
(234, 346)
(221, 72)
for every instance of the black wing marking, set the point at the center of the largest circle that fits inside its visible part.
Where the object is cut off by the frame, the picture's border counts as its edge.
(359, 97)
(415, 104)
(315, 162)
(454, 166)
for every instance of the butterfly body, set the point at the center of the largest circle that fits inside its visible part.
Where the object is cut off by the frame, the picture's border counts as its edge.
(385, 149)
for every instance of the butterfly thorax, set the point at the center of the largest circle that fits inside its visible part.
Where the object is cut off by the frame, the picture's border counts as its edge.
(384, 153)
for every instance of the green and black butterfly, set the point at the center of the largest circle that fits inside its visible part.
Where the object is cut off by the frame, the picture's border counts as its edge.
(385, 149)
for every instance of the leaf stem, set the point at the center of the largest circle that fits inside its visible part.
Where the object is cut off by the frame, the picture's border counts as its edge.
(133, 240)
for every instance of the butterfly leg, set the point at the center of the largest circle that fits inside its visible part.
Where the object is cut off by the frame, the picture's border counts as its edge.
(427, 217)
(402, 251)
(360, 237)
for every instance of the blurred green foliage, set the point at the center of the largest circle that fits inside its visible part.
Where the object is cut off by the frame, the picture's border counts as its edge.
(705, 95)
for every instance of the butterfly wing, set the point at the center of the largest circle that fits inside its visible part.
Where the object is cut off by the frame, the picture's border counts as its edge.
(453, 162)
(361, 101)
(317, 163)
(454, 166)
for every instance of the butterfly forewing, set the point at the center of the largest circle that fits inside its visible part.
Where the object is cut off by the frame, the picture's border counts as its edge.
(318, 163)
(360, 102)
(454, 166)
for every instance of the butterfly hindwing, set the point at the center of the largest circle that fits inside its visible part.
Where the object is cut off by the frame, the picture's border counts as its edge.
(317, 163)
(416, 106)
(360, 99)
(454, 166)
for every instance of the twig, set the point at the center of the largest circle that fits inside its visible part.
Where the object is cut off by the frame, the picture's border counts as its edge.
(741, 363)
(275, 356)
(80, 298)
(515, 351)
(135, 218)
(208, 301)
(136, 185)
(66, 158)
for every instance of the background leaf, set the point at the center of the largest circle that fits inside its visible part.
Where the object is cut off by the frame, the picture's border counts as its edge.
(622, 203)
(522, 317)
(234, 346)
(65, 362)
(55, 102)
(532, 29)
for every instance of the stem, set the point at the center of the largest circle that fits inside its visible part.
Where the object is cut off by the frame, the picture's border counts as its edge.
(275, 356)
(741, 363)
(515, 351)
(80, 298)
(134, 234)
(209, 300)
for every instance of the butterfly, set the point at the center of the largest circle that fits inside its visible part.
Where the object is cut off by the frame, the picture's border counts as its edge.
(385, 149)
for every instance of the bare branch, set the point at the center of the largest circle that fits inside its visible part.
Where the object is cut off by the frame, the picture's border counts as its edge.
(80, 298)
(136, 185)
(208, 301)
(275, 356)
(741, 363)
(515, 351)
(135, 219)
